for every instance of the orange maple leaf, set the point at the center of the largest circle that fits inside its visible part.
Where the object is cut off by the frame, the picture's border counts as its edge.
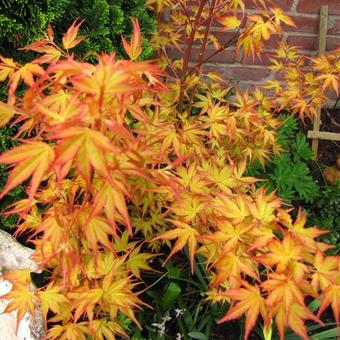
(331, 296)
(22, 300)
(326, 271)
(294, 319)
(134, 48)
(33, 158)
(282, 253)
(70, 39)
(88, 147)
(184, 235)
(250, 302)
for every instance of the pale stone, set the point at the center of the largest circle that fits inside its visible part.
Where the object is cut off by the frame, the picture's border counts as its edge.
(13, 256)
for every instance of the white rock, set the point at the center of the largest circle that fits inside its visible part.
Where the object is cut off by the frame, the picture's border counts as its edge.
(13, 256)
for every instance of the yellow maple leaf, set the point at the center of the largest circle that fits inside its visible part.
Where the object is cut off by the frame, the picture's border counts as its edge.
(184, 235)
(229, 22)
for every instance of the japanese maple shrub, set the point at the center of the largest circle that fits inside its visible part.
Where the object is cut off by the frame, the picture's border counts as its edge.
(119, 161)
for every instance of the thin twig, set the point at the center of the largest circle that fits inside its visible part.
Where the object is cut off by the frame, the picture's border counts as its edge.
(188, 53)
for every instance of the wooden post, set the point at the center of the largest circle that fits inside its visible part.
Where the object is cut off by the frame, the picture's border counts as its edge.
(324, 135)
(323, 26)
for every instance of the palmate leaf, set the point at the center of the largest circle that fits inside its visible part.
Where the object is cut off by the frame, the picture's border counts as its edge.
(86, 146)
(229, 22)
(134, 48)
(52, 299)
(249, 302)
(111, 199)
(119, 296)
(22, 300)
(70, 39)
(295, 318)
(299, 230)
(282, 253)
(331, 296)
(6, 113)
(231, 267)
(106, 330)
(184, 235)
(325, 272)
(138, 261)
(302, 148)
(33, 158)
(282, 289)
(96, 231)
(70, 331)
(84, 300)
(20, 276)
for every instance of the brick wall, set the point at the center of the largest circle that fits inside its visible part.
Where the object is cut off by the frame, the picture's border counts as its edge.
(305, 14)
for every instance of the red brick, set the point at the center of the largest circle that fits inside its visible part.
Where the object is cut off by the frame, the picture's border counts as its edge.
(264, 60)
(334, 26)
(226, 56)
(239, 72)
(271, 43)
(286, 5)
(311, 42)
(333, 43)
(304, 24)
(313, 6)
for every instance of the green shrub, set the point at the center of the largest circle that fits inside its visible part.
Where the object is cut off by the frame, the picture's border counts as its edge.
(290, 175)
(288, 172)
(24, 21)
(325, 213)
(14, 195)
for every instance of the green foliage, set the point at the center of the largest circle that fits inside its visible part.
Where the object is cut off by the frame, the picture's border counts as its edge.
(290, 175)
(24, 21)
(179, 305)
(288, 172)
(15, 194)
(325, 213)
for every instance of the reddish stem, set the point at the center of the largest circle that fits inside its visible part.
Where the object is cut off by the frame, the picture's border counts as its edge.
(203, 46)
(187, 54)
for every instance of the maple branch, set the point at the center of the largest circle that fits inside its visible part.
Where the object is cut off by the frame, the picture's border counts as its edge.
(188, 54)
(203, 46)
(222, 48)
(185, 12)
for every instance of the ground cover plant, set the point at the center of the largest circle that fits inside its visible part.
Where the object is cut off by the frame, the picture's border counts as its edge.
(126, 160)
(289, 172)
(300, 182)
